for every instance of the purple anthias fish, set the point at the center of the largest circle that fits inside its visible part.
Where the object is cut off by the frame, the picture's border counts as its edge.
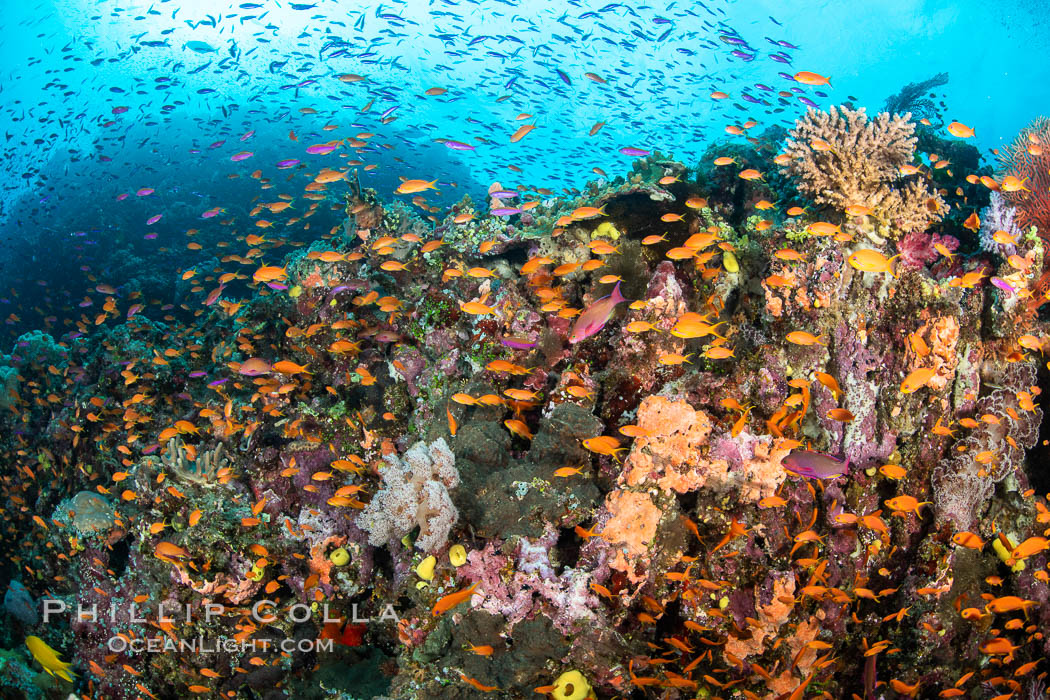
(631, 151)
(504, 211)
(732, 40)
(806, 101)
(287, 163)
(815, 465)
(518, 343)
(503, 194)
(458, 145)
(1003, 284)
(596, 316)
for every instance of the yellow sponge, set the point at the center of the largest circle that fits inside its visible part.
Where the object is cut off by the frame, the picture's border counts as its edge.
(571, 685)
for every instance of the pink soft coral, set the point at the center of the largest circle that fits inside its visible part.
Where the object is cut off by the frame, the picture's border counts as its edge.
(917, 248)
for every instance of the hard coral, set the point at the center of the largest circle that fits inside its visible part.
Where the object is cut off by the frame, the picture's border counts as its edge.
(842, 159)
(90, 513)
(203, 471)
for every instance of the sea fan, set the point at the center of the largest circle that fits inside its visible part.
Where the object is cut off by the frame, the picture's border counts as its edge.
(1028, 159)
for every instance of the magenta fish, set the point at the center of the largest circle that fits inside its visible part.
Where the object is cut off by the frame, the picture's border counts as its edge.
(1003, 285)
(211, 213)
(631, 151)
(243, 155)
(815, 465)
(458, 145)
(288, 163)
(153, 219)
(596, 316)
(144, 192)
(518, 343)
(321, 149)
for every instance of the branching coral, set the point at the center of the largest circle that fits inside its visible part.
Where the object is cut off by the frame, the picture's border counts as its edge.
(414, 493)
(203, 471)
(842, 159)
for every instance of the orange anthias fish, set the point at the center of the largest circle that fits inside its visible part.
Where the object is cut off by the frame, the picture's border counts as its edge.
(446, 603)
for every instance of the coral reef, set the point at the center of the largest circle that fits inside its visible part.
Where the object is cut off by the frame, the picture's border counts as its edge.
(802, 458)
(206, 469)
(999, 216)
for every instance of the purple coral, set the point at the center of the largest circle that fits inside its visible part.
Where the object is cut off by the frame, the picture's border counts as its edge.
(998, 216)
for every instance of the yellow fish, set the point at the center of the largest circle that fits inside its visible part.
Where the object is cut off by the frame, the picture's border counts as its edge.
(48, 658)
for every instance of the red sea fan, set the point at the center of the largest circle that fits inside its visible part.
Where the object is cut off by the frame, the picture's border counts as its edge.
(1028, 159)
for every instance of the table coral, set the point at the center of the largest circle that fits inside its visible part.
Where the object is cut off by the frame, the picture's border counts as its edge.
(860, 165)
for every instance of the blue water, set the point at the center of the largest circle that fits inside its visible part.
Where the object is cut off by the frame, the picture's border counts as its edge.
(68, 65)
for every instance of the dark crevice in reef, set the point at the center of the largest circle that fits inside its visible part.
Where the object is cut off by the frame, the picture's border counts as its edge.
(118, 556)
(1039, 456)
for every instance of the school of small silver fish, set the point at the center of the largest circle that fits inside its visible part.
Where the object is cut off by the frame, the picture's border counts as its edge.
(525, 402)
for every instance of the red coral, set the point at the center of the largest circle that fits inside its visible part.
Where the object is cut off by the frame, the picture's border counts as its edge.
(1028, 159)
